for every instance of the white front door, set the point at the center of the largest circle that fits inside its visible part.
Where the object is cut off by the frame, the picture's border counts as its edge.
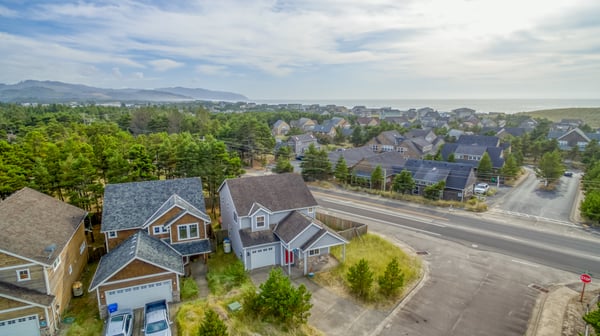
(21, 326)
(137, 296)
(262, 257)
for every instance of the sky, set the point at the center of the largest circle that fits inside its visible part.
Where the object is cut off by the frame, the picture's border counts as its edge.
(313, 49)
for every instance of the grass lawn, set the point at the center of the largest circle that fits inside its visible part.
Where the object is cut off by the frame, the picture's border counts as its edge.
(378, 252)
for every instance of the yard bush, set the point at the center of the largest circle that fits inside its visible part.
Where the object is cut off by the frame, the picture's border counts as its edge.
(189, 288)
(392, 279)
(360, 278)
(212, 325)
(225, 271)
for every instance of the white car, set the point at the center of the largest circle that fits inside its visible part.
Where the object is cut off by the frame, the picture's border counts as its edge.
(481, 188)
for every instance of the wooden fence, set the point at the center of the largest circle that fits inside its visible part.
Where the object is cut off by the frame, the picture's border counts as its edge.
(346, 228)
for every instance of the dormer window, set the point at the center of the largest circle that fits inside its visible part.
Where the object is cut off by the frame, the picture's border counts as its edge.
(159, 229)
(260, 221)
(187, 231)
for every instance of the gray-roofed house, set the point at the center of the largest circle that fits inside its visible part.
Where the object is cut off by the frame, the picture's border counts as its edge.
(43, 251)
(351, 155)
(300, 143)
(469, 149)
(387, 161)
(271, 221)
(280, 127)
(171, 214)
(573, 138)
(459, 178)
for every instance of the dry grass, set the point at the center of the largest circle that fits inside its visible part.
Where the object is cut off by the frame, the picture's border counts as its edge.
(378, 252)
(590, 116)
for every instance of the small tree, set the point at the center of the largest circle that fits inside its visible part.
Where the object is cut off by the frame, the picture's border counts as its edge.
(550, 166)
(451, 157)
(510, 169)
(434, 191)
(377, 178)
(212, 325)
(590, 207)
(316, 165)
(283, 165)
(403, 182)
(341, 170)
(484, 169)
(392, 279)
(360, 278)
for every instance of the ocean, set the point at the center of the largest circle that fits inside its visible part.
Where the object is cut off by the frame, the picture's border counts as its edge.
(445, 105)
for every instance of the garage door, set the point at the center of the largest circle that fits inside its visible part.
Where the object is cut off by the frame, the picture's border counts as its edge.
(262, 257)
(138, 296)
(25, 326)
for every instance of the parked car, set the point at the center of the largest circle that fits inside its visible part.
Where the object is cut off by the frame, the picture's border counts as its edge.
(119, 323)
(156, 319)
(481, 188)
(568, 174)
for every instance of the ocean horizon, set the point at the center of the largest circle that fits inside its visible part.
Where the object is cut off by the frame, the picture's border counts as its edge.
(446, 105)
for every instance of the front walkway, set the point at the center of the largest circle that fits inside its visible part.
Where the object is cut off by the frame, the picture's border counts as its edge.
(198, 271)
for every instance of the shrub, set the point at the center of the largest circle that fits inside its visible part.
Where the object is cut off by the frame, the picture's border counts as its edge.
(360, 278)
(392, 279)
(212, 325)
(189, 288)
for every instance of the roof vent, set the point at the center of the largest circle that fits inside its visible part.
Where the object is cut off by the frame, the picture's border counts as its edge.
(50, 249)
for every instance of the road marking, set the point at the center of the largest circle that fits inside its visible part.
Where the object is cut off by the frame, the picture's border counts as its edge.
(525, 263)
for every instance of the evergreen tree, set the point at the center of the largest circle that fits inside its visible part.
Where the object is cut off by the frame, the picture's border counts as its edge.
(590, 207)
(434, 191)
(212, 325)
(392, 279)
(283, 165)
(377, 178)
(451, 158)
(360, 278)
(357, 136)
(510, 168)
(484, 169)
(315, 165)
(341, 172)
(403, 182)
(550, 167)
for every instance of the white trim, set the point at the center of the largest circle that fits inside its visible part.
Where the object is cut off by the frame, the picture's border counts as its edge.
(125, 265)
(14, 309)
(312, 223)
(162, 230)
(188, 231)
(26, 270)
(46, 280)
(82, 247)
(17, 266)
(24, 301)
(132, 279)
(264, 222)
(111, 233)
(24, 258)
(56, 262)
(343, 241)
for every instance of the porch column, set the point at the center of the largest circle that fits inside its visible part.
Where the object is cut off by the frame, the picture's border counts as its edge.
(305, 262)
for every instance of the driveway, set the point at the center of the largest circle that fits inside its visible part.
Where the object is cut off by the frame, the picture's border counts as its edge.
(528, 199)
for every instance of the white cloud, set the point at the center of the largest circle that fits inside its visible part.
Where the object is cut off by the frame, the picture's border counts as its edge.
(7, 12)
(138, 75)
(165, 64)
(117, 72)
(209, 69)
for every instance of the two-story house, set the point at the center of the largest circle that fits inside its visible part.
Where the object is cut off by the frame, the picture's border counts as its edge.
(271, 221)
(300, 143)
(152, 230)
(470, 149)
(573, 138)
(43, 252)
(280, 127)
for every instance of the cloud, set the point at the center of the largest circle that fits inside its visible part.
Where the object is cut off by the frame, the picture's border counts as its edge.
(7, 12)
(210, 69)
(138, 75)
(165, 64)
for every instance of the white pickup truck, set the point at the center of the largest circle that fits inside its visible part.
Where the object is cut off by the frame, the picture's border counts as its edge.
(156, 319)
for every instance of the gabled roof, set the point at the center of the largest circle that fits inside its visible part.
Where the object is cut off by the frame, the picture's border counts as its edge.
(176, 201)
(481, 140)
(457, 175)
(276, 192)
(25, 295)
(470, 149)
(130, 205)
(291, 226)
(139, 246)
(578, 131)
(31, 221)
(191, 248)
(306, 137)
(325, 231)
(256, 238)
(351, 155)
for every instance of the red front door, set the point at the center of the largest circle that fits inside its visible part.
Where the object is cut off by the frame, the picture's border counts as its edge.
(289, 257)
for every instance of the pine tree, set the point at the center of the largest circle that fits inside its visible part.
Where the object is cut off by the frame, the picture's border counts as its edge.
(212, 325)
(360, 278)
(484, 169)
(377, 178)
(341, 170)
(392, 279)
(403, 182)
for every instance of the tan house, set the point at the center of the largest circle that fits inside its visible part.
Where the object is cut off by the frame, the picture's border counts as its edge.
(43, 251)
(152, 229)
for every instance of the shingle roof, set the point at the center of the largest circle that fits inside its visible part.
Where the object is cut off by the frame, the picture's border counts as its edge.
(457, 175)
(481, 140)
(250, 238)
(24, 294)
(470, 149)
(31, 221)
(129, 205)
(192, 248)
(276, 192)
(291, 226)
(139, 246)
(352, 155)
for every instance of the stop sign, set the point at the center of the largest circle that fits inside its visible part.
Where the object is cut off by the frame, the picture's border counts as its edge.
(585, 278)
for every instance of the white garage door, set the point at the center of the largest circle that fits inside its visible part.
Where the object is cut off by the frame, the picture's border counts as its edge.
(26, 326)
(138, 296)
(262, 257)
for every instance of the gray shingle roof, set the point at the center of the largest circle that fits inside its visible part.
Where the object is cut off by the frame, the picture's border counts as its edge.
(352, 155)
(130, 205)
(457, 175)
(291, 226)
(250, 238)
(31, 221)
(24, 294)
(276, 192)
(139, 246)
(192, 248)
(481, 140)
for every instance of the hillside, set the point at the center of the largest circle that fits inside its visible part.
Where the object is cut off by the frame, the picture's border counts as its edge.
(590, 116)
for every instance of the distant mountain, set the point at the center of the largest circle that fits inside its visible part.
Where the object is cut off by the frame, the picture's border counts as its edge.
(59, 92)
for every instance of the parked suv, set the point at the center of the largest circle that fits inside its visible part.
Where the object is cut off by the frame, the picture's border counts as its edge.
(120, 323)
(481, 188)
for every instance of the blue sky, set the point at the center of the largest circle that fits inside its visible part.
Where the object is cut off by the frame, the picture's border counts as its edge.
(314, 49)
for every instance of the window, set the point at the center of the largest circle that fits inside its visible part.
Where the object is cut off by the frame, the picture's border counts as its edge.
(314, 252)
(260, 221)
(23, 275)
(374, 148)
(234, 217)
(112, 234)
(311, 210)
(56, 263)
(159, 229)
(387, 148)
(70, 269)
(188, 231)
(82, 247)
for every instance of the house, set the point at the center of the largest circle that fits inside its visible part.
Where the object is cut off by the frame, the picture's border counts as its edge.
(152, 229)
(300, 143)
(469, 149)
(330, 127)
(463, 112)
(387, 161)
(43, 251)
(385, 141)
(402, 121)
(280, 128)
(459, 178)
(271, 221)
(414, 144)
(573, 138)
(367, 121)
(304, 124)
(351, 155)
(528, 124)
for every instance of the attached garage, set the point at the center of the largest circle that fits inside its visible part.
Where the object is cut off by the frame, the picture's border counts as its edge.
(136, 296)
(262, 257)
(22, 326)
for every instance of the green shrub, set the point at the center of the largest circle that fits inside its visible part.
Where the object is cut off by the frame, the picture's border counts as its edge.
(212, 325)
(392, 279)
(189, 288)
(360, 278)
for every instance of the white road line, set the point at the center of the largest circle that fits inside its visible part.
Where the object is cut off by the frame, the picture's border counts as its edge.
(525, 263)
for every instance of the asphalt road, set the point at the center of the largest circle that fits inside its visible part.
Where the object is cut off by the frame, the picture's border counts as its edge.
(529, 199)
(483, 273)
